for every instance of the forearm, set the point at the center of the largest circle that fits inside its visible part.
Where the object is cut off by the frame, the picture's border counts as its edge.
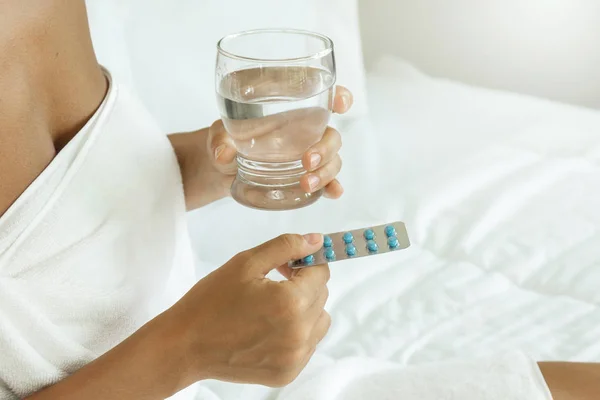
(146, 366)
(202, 183)
(572, 381)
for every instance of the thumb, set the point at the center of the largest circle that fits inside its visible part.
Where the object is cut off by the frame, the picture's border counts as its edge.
(282, 249)
(221, 148)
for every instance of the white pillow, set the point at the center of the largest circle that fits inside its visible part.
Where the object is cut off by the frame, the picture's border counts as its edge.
(166, 49)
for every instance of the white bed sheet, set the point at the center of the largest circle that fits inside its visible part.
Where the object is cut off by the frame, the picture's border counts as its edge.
(500, 194)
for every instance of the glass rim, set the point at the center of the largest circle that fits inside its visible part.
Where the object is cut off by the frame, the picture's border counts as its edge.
(320, 54)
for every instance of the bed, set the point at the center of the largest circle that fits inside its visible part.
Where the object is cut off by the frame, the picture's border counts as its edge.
(500, 194)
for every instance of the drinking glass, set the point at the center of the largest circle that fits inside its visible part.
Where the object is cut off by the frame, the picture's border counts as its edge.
(275, 92)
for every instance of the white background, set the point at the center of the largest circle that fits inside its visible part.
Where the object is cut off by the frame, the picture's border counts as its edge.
(548, 48)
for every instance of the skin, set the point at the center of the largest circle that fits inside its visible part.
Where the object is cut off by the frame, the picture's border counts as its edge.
(572, 381)
(51, 84)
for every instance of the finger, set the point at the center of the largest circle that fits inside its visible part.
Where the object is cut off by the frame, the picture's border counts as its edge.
(324, 151)
(316, 308)
(285, 271)
(279, 251)
(306, 359)
(321, 328)
(320, 178)
(221, 148)
(292, 373)
(343, 100)
(334, 190)
(311, 280)
(317, 333)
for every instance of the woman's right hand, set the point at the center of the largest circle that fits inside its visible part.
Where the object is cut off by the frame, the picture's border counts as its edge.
(236, 325)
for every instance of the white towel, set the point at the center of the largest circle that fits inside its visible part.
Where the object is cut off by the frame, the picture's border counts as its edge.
(86, 250)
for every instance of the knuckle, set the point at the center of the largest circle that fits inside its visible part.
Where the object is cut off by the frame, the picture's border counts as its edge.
(244, 257)
(325, 293)
(290, 241)
(327, 318)
(300, 337)
(326, 325)
(289, 360)
(327, 272)
(337, 138)
(217, 125)
(246, 261)
(297, 305)
(332, 132)
(282, 379)
(289, 306)
(214, 132)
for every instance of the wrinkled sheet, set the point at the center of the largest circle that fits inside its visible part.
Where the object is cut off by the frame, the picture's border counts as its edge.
(500, 195)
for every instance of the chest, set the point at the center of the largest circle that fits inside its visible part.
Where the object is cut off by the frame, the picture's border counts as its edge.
(30, 137)
(92, 243)
(26, 147)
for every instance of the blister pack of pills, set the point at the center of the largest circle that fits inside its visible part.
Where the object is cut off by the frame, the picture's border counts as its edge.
(357, 243)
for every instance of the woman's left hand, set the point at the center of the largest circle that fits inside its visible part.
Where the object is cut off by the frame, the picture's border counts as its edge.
(207, 160)
(322, 160)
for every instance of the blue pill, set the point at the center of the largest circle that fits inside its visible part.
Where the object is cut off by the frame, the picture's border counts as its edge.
(330, 255)
(327, 242)
(393, 242)
(348, 238)
(308, 260)
(369, 234)
(390, 231)
(350, 250)
(372, 246)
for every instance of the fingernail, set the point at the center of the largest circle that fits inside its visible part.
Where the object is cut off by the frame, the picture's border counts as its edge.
(315, 159)
(346, 100)
(313, 181)
(218, 151)
(313, 238)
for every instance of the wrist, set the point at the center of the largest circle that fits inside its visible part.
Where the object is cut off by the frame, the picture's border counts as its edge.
(168, 337)
(191, 354)
(151, 364)
(202, 182)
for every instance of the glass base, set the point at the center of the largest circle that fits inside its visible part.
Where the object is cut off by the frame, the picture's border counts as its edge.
(269, 186)
(270, 198)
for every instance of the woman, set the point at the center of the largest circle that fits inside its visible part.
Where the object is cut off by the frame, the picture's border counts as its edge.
(95, 271)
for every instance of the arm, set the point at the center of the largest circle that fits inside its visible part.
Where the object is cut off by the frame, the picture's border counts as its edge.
(148, 365)
(203, 182)
(233, 325)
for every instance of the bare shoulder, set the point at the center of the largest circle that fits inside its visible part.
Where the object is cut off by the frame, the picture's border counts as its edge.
(50, 82)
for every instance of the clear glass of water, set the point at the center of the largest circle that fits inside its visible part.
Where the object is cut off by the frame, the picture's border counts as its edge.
(275, 91)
